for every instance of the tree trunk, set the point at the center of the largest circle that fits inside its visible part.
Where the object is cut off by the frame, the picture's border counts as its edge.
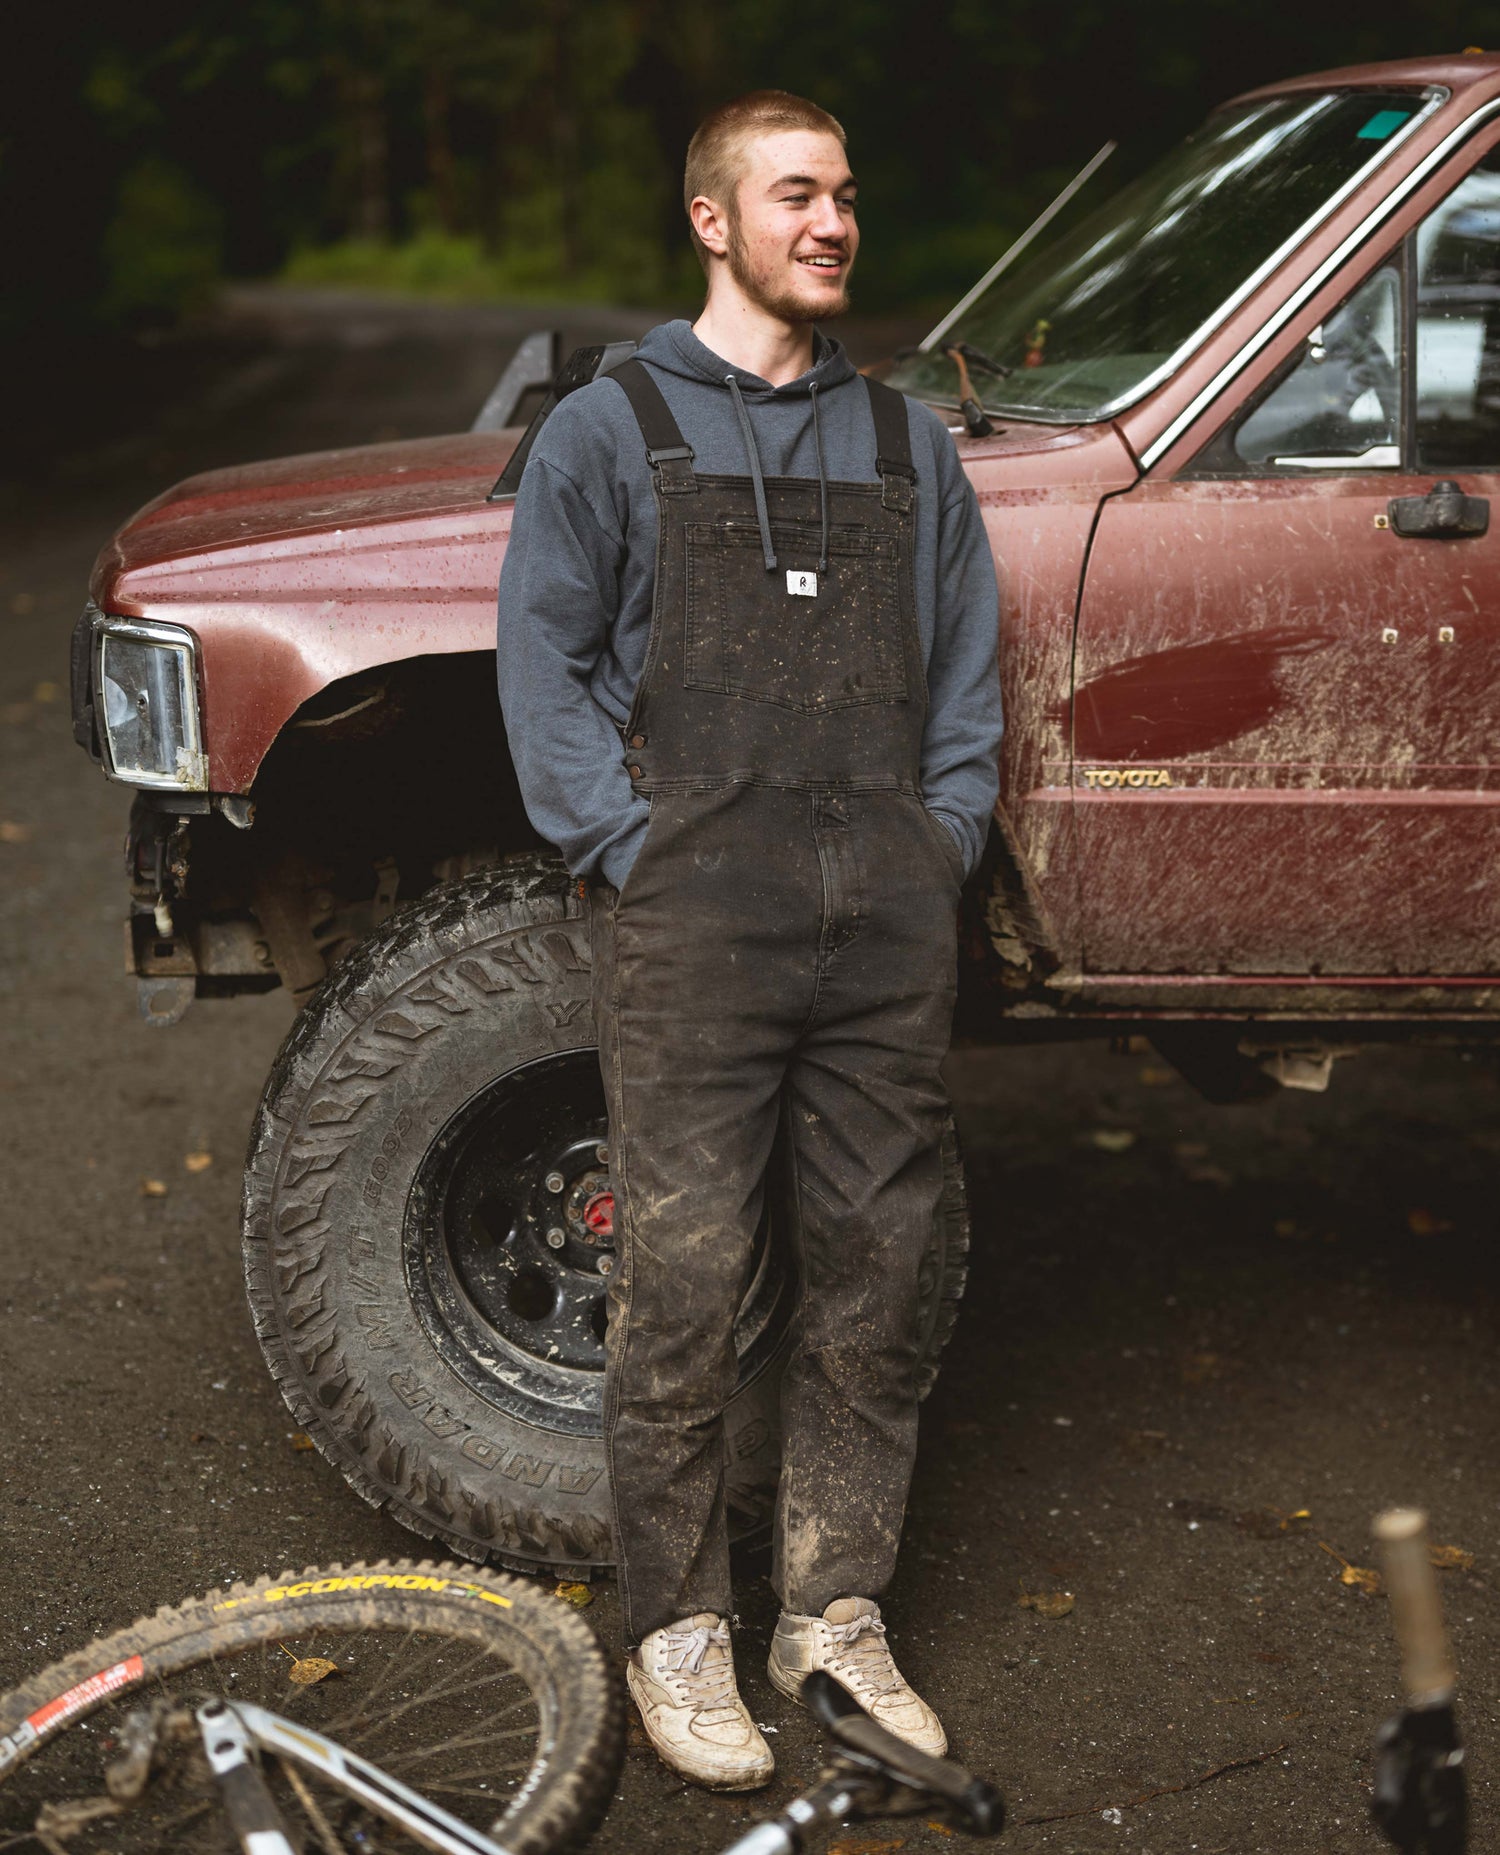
(440, 174)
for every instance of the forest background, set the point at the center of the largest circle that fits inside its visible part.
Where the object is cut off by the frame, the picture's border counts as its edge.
(495, 150)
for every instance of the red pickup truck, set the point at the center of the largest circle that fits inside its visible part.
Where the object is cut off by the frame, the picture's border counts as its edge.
(1243, 434)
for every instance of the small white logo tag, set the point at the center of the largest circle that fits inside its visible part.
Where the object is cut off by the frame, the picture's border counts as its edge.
(804, 585)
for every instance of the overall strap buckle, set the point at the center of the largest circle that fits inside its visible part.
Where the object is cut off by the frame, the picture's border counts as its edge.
(898, 485)
(667, 451)
(898, 476)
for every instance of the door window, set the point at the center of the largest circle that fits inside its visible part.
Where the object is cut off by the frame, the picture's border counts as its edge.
(1341, 401)
(1457, 268)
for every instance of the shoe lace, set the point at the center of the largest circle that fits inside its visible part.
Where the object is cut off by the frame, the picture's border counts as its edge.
(861, 1651)
(709, 1684)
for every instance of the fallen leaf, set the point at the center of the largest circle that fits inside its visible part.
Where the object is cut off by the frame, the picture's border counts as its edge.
(939, 1829)
(1271, 1522)
(1360, 1577)
(307, 1670)
(1270, 1655)
(1451, 1558)
(1426, 1223)
(1156, 1078)
(45, 692)
(1113, 1139)
(107, 1284)
(153, 1188)
(197, 1162)
(578, 1595)
(1207, 1175)
(1049, 1604)
(301, 1440)
(13, 833)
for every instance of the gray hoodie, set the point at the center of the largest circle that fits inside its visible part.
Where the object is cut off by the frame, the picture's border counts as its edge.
(575, 590)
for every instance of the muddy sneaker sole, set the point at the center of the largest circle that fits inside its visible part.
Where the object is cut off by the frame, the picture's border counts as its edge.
(753, 1780)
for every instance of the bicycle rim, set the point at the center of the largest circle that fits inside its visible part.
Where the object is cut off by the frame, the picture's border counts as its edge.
(477, 1690)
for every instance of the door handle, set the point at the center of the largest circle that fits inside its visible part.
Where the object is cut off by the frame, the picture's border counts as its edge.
(1445, 513)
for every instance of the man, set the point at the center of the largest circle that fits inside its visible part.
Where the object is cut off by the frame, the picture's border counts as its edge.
(747, 659)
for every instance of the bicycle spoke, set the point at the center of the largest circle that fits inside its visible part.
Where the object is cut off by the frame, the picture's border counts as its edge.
(465, 1742)
(431, 1697)
(320, 1824)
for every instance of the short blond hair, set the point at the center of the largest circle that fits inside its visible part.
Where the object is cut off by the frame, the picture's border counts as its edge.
(716, 154)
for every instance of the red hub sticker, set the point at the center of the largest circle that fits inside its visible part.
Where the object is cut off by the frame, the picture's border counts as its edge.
(599, 1214)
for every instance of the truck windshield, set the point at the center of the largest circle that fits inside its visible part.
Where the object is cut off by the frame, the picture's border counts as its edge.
(1093, 321)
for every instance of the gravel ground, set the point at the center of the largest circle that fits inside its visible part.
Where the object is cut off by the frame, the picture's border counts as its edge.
(1201, 1347)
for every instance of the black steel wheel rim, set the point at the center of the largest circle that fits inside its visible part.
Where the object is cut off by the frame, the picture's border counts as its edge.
(509, 1247)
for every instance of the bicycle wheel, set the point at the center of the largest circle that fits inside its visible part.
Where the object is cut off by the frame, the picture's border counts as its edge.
(487, 1696)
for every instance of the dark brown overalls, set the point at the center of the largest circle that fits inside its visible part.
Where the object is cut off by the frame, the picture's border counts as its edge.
(785, 940)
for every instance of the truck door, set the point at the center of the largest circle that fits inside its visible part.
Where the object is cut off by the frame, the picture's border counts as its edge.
(1286, 708)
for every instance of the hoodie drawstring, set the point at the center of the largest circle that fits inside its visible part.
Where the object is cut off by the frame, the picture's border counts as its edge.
(822, 480)
(757, 480)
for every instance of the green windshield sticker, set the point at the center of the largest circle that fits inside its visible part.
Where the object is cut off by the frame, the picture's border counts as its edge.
(1383, 123)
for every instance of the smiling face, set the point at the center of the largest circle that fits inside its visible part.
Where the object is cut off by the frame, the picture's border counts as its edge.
(789, 240)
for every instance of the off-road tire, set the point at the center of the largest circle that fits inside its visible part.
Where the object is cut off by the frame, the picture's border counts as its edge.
(428, 1411)
(577, 1697)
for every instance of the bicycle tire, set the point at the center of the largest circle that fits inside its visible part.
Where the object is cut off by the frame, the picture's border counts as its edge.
(395, 1611)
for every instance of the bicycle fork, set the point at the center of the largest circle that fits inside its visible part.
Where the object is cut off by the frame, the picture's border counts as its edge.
(231, 1730)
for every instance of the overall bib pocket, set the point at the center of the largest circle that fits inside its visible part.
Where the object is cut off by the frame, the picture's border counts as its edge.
(747, 636)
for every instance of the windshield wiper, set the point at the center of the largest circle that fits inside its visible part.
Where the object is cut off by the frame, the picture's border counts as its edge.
(968, 402)
(976, 357)
(961, 353)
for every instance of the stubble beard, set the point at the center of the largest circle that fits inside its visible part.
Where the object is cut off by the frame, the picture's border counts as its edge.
(773, 299)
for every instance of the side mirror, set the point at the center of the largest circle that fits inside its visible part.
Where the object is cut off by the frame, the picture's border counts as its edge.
(581, 366)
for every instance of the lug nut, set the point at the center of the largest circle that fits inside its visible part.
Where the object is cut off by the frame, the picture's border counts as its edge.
(555, 1181)
(601, 1153)
(556, 1238)
(606, 1265)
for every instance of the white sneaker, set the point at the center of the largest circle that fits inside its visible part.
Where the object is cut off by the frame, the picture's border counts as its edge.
(682, 1679)
(849, 1641)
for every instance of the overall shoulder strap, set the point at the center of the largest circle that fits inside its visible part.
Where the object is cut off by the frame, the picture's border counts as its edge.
(667, 451)
(898, 475)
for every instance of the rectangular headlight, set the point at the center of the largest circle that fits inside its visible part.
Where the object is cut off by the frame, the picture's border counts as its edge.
(146, 701)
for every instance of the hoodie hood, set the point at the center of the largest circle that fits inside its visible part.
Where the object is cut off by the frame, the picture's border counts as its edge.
(673, 348)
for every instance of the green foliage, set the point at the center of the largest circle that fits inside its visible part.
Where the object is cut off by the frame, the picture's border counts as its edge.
(161, 248)
(460, 268)
(534, 147)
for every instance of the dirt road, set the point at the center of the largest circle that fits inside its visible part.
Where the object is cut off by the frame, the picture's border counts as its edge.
(1201, 1346)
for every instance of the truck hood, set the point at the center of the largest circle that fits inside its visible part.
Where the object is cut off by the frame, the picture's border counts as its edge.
(322, 492)
(300, 571)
